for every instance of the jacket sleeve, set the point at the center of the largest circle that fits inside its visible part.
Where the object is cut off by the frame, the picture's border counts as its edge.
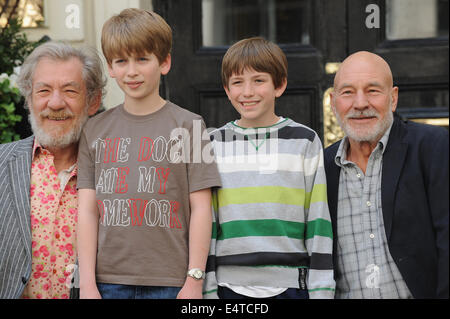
(318, 233)
(437, 183)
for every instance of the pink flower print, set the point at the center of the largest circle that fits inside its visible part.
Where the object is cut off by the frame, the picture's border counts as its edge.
(32, 188)
(53, 258)
(44, 200)
(44, 274)
(37, 275)
(41, 166)
(72, 211)
(53, 170)
(45, 221)
(62, 280)
(69, 249)
(73, 190)
(41, 195)
(55, 187)
(39, 296)
(51, 197)
(46, 287)
(36, 253)
(65, 296)
(33, 244)
(39, 267)
(57, 235)
(45, 183)
(34, 221)
(66, 230)
(44, 251)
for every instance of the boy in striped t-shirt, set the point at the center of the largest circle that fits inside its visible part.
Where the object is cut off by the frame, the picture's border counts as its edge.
(272, 235)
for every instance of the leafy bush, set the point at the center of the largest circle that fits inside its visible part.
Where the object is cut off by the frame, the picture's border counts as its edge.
(14, 48)
(10, 96)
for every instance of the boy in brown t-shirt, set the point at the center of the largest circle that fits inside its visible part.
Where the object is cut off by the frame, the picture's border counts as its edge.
(144, 224)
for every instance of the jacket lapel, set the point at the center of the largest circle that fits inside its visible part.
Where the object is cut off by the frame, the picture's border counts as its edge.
(19, 176)
(393, 160)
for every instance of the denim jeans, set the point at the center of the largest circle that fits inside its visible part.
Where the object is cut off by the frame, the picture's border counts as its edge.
(290, 293)
(115, 291)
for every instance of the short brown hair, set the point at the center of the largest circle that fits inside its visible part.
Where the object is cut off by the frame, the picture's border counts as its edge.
(135, 32)
(255, 53)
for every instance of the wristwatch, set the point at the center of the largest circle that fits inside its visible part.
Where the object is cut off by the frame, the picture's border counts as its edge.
(196, 273)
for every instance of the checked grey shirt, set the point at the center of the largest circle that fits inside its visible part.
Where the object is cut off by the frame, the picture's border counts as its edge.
(365, 267)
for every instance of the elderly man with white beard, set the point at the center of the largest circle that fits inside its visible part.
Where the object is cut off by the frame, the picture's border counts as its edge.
(387, 186)
(62, 87)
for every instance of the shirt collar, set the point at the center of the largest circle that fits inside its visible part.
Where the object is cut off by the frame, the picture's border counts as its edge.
(72, 170)
(341, 154)
(36, 147)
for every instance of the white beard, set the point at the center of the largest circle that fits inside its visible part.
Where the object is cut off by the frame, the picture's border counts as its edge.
(366, 134)
(56, 139)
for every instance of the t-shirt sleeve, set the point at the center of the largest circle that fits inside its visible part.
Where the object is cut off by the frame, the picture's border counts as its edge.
(86, 164)
(202, 168)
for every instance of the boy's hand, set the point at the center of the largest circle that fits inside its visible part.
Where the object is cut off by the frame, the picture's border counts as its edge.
(192, 289)
(90, 293)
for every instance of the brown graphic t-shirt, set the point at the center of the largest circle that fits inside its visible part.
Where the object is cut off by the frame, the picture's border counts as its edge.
(143, 169)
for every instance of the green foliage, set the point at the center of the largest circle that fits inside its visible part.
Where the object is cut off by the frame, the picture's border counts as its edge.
(14, 48)
(10, 96)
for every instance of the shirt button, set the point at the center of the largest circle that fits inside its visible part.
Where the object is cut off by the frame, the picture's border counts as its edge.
(372, 236)
(369, 203)
(358, 175)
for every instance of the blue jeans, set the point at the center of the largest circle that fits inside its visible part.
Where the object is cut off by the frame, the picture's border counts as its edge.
(290, 293)
(115, 291)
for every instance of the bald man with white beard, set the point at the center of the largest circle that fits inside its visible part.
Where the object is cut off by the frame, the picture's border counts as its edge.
(388, 189)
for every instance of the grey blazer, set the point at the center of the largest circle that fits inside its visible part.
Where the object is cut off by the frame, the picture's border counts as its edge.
(15, 225)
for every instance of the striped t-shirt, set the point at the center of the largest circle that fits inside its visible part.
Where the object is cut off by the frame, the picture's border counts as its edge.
(271, 215)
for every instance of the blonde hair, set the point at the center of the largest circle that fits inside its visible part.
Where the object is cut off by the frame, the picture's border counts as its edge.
(135, 32)
(258, 54)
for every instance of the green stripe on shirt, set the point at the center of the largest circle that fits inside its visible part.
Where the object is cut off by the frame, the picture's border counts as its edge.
(272, 194)
(275, 227)
(319, 227)
(263, 227)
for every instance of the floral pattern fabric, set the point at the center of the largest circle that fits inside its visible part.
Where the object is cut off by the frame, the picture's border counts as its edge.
(53, 223)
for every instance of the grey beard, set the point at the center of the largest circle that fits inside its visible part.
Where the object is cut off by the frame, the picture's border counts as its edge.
(367, 136)
(59, 141)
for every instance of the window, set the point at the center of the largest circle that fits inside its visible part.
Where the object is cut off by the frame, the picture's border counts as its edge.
(415, 19)
(225, 22)
(30, 12)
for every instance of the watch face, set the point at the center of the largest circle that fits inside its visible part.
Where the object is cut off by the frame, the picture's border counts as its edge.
(196, 273)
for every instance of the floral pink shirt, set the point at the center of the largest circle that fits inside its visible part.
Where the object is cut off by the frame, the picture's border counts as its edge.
(53, 199)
